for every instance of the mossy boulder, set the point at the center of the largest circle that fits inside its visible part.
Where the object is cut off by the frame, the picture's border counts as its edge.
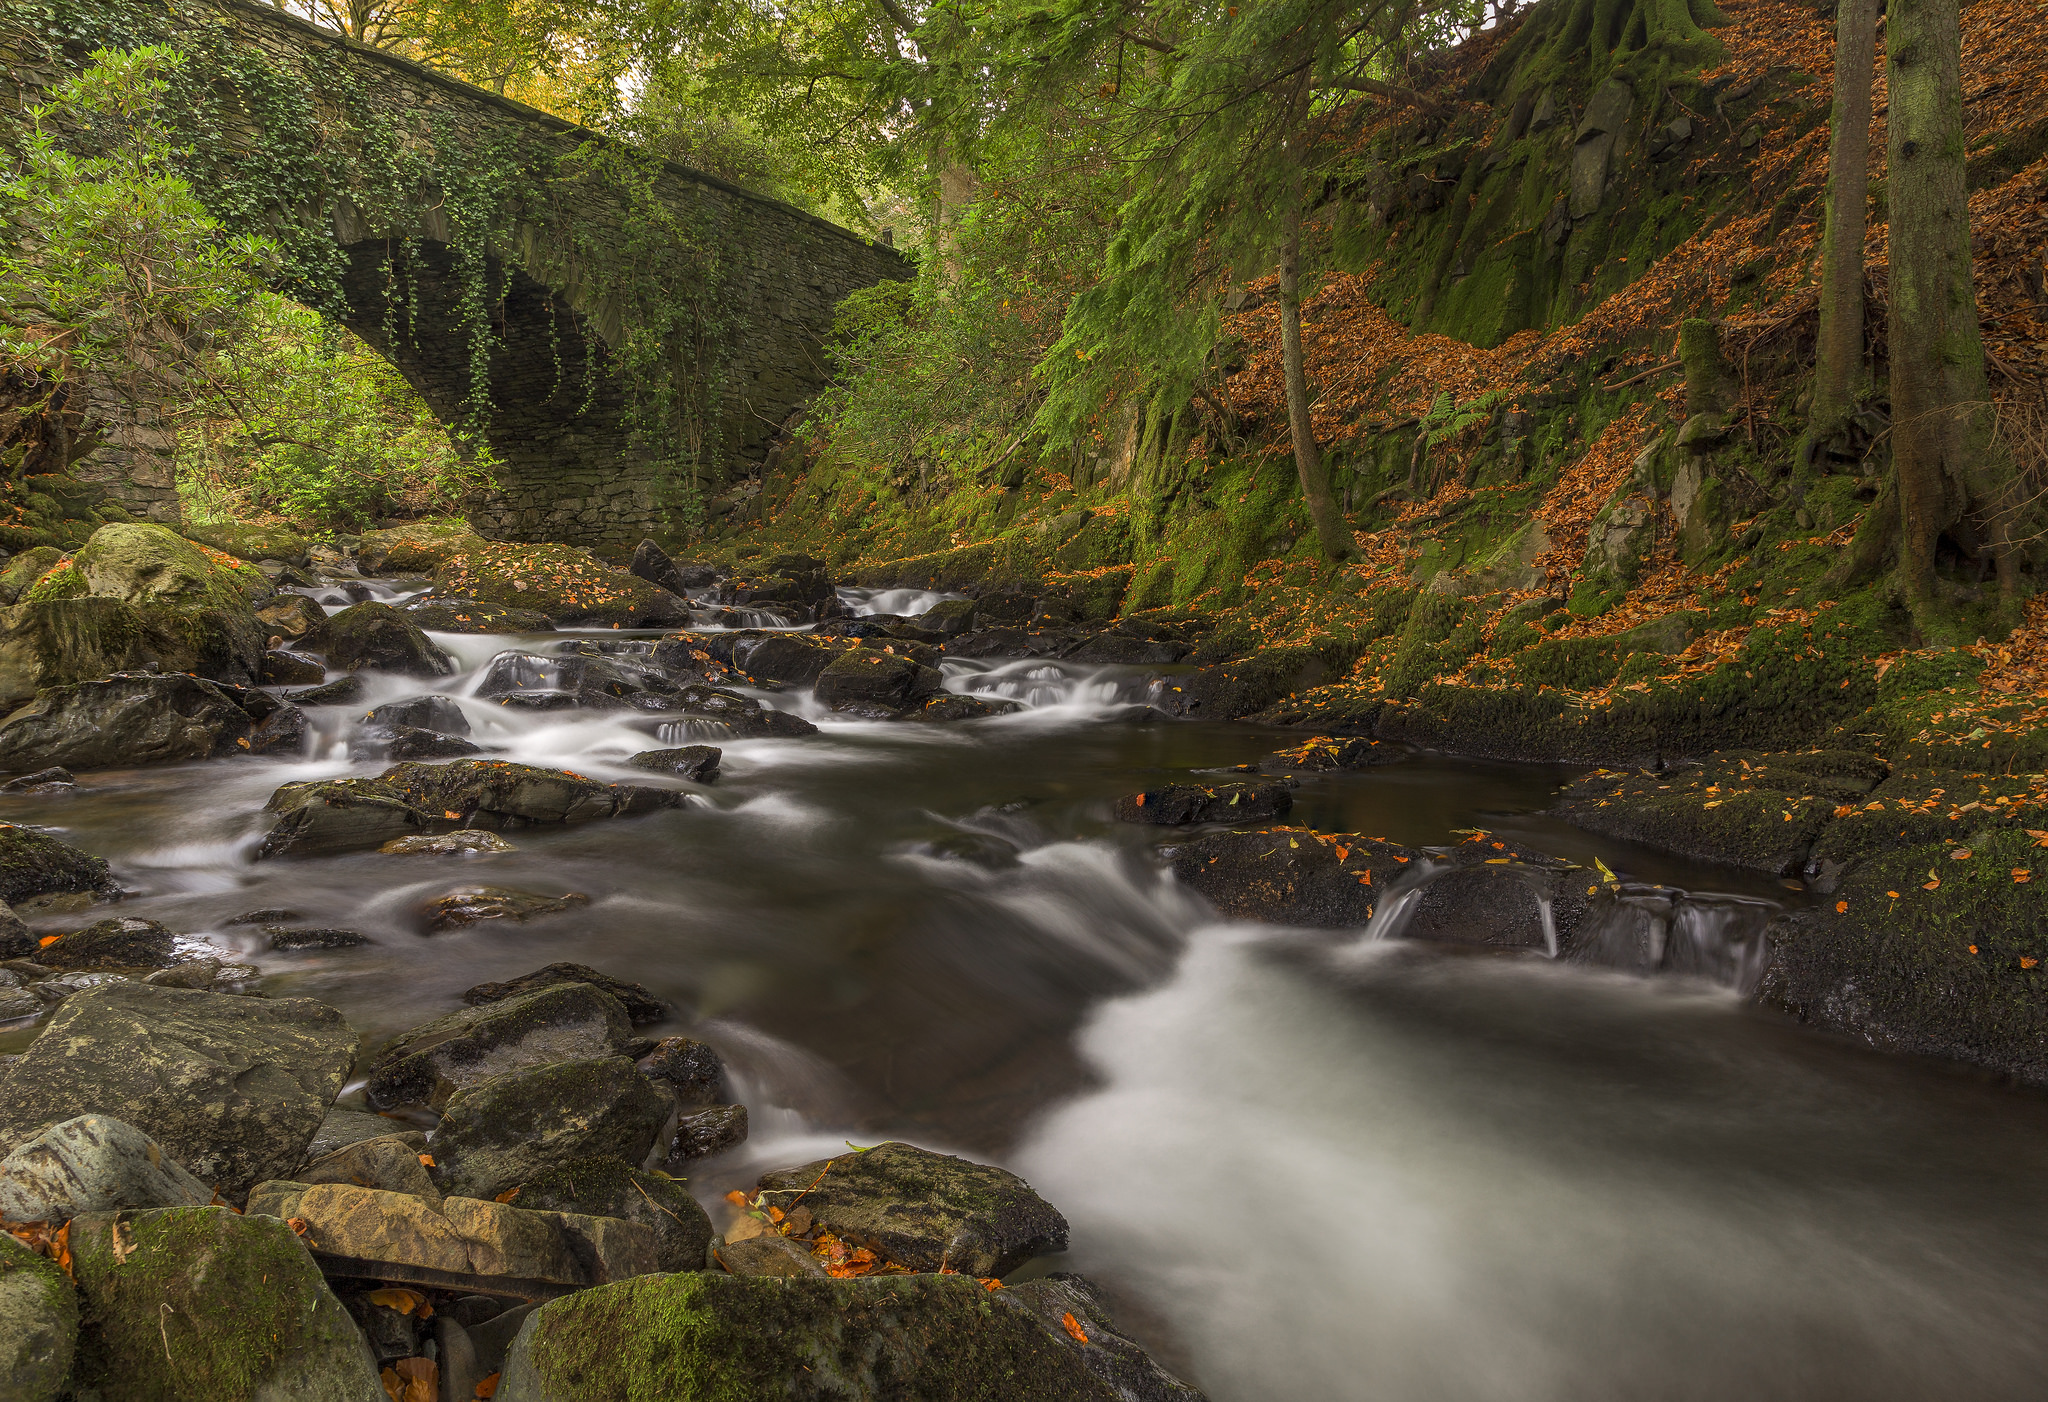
(565, 584)
(54, 642)
(139, 718)
(876, 685)
(25, 569)
(640, 1005)
(498, 1134)
(711, 1337)
(38, 1324)
(458, 615)
(418, 547)
(121, 942)
(429, 1064)
(189, 1302)
(33, 863)
(246, 540)
(611, 1187)
(152, 564)
(379, 637)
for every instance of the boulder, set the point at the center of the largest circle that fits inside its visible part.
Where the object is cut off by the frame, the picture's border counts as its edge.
(222, 1306)
(949, 707)
(499, 1133)
(473, 905)
(457, 615)
(769, 1253)
(609, 1187)
(133, 718)
(405, 742)
(720, 713)
(25, 569)
(92, 1163)
(917, 1338)
(380, 638)
(925, 1210)
(697, 763)
(33, 863)
(532, 681)
(640, 1005)
(1177, 804)
(295, 618)
(705, 1133)
(417, 547)
(281, 668)
(950, 617)
(38, 1325)
(789, 659)
(122, 942)
(340, 814)
(558, 1022)
(461, 1244)
(463, 842)
(1326, 753)
(390, 1163)
(246, 540)
(440, 713)
(342, 691)
(692, 1071)
(652, 563)
(876, 685)
(561, 581)
(1292, 875)
(231, 1087)
(192, 973)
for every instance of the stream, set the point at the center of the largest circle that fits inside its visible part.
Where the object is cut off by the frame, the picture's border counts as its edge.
(1304, 1164)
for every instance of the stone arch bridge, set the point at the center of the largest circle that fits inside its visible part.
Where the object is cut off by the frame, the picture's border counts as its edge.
(642, 323)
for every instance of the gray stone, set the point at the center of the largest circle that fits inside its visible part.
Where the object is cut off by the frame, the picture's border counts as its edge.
(557, 1022)
(697, 763)
(473, 905)
(640, 1005)
(380, 638)
(340, 1127)
(464, 842)
(925, 1210)
(870, 683)
(131, 718)
(196, 973)
(93, 1163)
(769, 1254)
(607, 1187)
(18, 1003)
(390, 1163)
(122, 942)
(1621, 538)
(233, 1088)
(423, 712)
(693, 1071)
(231, 1307)
(498, 1134)
(38, 1325)
(705, 1133)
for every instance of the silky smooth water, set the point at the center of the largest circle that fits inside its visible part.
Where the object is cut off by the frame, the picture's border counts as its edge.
(1306, 1164)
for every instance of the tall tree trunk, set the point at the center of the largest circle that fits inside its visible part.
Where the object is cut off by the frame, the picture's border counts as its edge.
(1839, 354)
(1941, 417)
(1331, 532)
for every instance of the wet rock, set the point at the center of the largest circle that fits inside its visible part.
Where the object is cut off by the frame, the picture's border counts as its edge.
(18, 1003)
(457, 615)
(601, 1187)
(269, 915)
(876, 685)
(501, 1132)
(16, 940)
(294, 617)
(407, 799)
(533, 681)
(233, 1088)
(563, 582)
(380, 638)
(55, 779)
(926, 1210)
(787, 658)
(697, 763)
(344, 691)
(1760, 811)
(901, 1338)
(417, 547)
(389, 1163)
(640, 1005)
(473, 905)
(1326, 753)
(1114, 647)
(38, 1324)
(1291, 875)
(283, 939)
(769, 1254)
(134, 718)
(1489, 892)
(693, 1071)
(559, 1022)
(235, 1301)
(705, 1133)
(405, 742)
(652, 563)
(1123, 1367)
(119, 943)
(1006, 642)
(458, 1243)
(464, 842)
(732, 713)
(950, 617)
(1176, 804)
(440, 713)
(194, 973)
(92, 1163)
(56, 990)
(952, 707)
(281, 668)
(341, 1127)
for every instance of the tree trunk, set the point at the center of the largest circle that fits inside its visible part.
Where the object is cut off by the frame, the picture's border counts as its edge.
(1839, 353)
(1331, 531)
(1943, 456)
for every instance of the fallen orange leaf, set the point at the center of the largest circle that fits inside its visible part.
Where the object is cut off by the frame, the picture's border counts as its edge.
(2028, 961)
(47, 940)
(1841, 907)
(488, 1388)
(507, 1195)
(1073, 1326)
(426, 1160)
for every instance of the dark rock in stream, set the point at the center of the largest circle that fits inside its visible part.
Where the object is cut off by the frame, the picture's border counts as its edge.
(470, 1045)
(640, 1005)
(502, 1132)
(330, 815)
(233, 1088)
(693, 1071)
(1327, 753)
(435, 712)
(133, 718)
(453, 614)
(343, 691)
(405, 742)
(951, 707)
(697, 763)
(281, 668)
(791, 659)
(925, 1210)
(876, 685)
(651, 563)
(703, 1134)
(1174, 805)
(474, 905)
(1292, 876)
(282, 939)
(44, 781)
(380, 638)
(729, 714)
(933, 1338)
(295, 618)
(119, 943)
(33, 863)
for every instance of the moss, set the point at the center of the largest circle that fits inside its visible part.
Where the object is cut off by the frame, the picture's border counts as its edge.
(246, 540)
(65, 581)
(38, 1323)
(35, 864)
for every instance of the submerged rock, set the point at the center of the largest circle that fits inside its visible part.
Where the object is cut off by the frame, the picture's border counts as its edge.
(558, 1022)
(925, 1210)
(1177, 804)
(640, 1005)
(380, 638)
(233, 1088)
(918, 1338)
(473, 905)
(283, 939)
(231, 1306)
(92, 1163)
(38, 1324)
(134, 718)
(498, 1133)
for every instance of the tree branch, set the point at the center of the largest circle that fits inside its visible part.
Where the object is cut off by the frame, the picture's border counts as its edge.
(1393, 92)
